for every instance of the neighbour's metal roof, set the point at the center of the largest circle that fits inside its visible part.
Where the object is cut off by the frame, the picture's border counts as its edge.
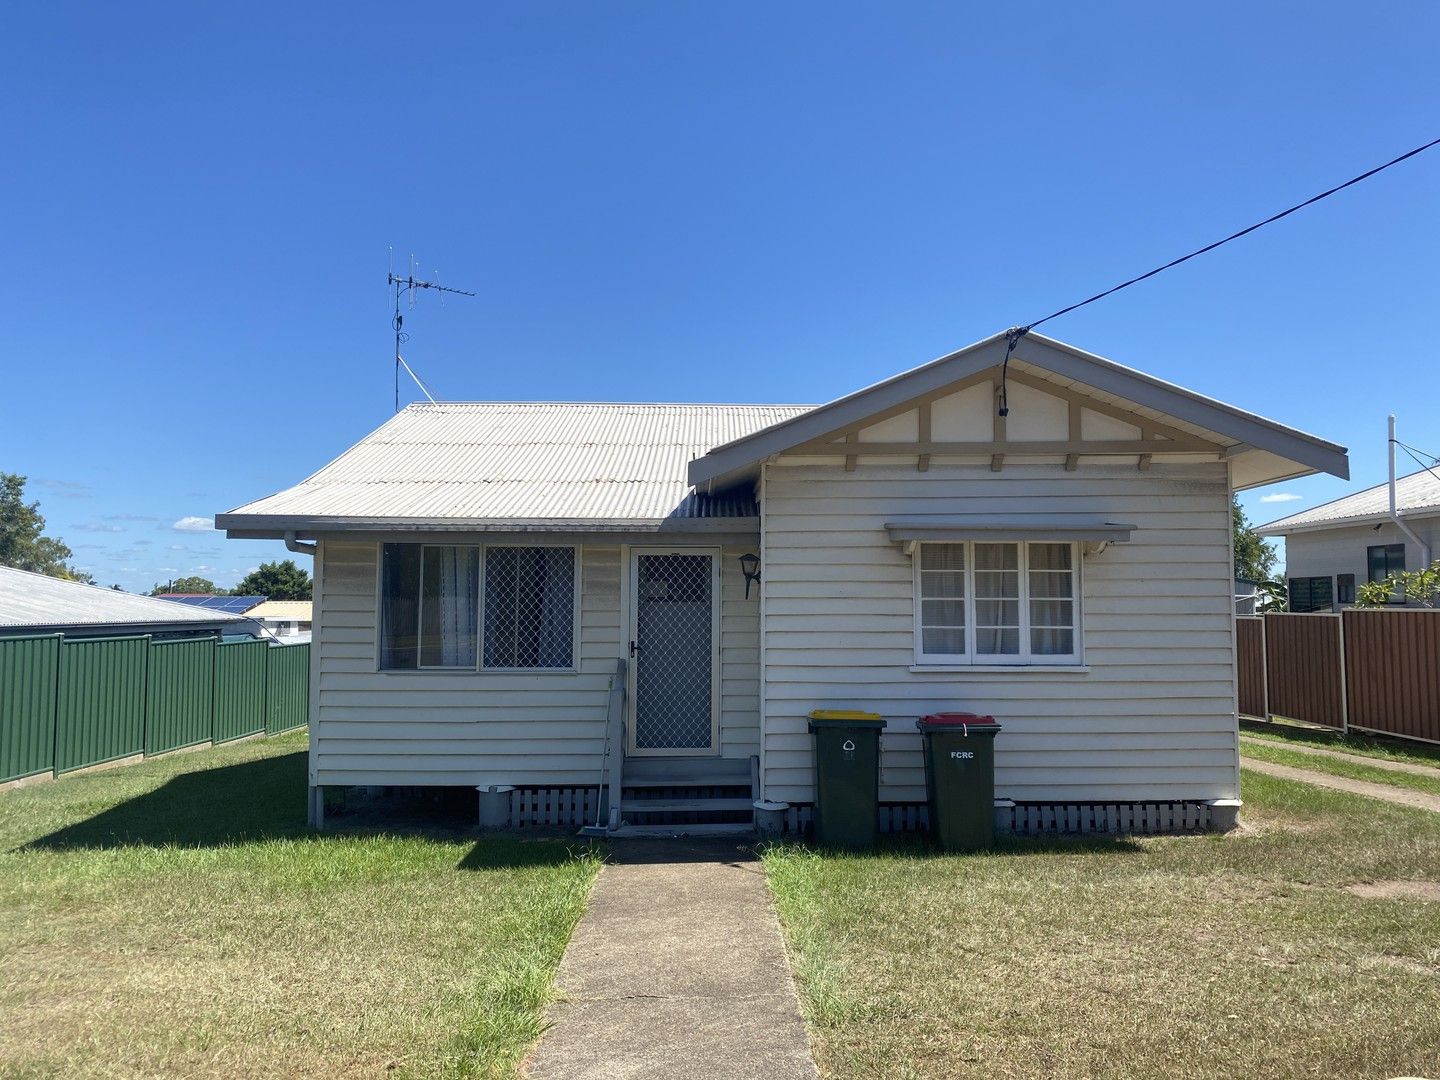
(298, 610)
(1416, 495)
(35, 600)
(522, 465)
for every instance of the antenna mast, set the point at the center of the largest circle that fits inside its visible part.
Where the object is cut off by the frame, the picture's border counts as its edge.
(411, 284)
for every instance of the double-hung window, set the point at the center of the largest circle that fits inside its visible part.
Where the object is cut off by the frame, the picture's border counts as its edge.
(981, 603)
(465, 607)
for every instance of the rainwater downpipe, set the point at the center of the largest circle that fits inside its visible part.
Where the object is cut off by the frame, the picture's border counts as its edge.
(302, 548)
(1395, 514)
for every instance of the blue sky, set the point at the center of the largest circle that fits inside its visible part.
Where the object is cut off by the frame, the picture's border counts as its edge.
(677, 201)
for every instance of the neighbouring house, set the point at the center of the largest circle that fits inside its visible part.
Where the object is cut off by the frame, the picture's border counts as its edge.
(287, 620)
(483, 571)
(37, 604)
(1332, 548)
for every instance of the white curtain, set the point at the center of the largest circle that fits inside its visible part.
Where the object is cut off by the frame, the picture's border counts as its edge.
(450, 597)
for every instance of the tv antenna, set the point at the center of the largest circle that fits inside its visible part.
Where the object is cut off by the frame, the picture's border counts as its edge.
(403, 286)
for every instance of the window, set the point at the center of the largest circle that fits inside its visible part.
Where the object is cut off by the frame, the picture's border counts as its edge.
(1384, 560)
(431, 607)
(983, 603)
(1310, 594)
(529, 607)
(1345, 588)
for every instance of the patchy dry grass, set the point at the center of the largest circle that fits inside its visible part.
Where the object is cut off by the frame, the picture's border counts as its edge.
(1188, 956)
(1354, 770)
(176, 918)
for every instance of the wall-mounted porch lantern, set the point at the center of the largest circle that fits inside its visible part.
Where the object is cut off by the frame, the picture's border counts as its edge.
(750, 567)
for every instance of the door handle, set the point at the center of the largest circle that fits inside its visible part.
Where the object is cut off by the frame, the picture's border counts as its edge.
(634, 648)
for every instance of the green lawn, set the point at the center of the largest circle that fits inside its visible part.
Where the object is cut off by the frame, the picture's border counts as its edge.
(1415, 753)
(176, 918)
(1278, 753)
(1187, 956)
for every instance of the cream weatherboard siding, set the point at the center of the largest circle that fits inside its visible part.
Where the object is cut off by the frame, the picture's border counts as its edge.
(1153, 717)
(446, 728)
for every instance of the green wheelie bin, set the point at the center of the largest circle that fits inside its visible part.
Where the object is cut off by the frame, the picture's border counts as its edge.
(847, 777)
(960, 778)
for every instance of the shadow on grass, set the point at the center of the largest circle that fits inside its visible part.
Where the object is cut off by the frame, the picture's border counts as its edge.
(253, 800)
(265, 799)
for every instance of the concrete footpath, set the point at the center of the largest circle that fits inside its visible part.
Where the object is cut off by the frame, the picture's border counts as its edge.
(1402, 796)
(677, 969)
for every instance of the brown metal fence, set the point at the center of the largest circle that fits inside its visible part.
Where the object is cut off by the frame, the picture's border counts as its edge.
(1372, 670)
(1392, 672)
(1250, 664)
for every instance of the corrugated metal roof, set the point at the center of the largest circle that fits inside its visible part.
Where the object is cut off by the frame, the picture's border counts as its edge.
(300, 610)
(524, 463)
(1417, 493)
(34, 600)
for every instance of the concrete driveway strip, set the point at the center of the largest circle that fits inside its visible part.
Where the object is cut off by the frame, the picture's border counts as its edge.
(1358, 759)
(1402, 796)
(677, 969)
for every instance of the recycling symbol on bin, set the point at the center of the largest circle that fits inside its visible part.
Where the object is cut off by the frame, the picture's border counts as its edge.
(848, 746)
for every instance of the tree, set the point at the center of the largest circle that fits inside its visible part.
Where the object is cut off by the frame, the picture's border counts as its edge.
(192, 584)
(1254, 559)
(277, 580)
(23, 543)
(1420, 587)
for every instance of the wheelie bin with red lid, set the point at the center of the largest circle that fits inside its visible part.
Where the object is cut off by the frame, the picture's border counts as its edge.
(960, 778)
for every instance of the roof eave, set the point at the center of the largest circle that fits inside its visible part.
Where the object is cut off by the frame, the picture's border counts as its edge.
(1051, 355)
(268, 527)
(1279, 528)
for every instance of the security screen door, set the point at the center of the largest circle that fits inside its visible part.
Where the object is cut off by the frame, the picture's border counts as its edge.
(673, 651)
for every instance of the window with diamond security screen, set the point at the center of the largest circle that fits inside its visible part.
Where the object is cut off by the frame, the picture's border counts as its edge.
(529, 607)
(983, 603)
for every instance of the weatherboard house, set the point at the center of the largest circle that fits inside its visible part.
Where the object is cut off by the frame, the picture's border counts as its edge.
(628, 610)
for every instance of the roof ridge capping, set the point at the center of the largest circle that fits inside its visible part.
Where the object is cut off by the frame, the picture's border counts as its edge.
(1257, 433)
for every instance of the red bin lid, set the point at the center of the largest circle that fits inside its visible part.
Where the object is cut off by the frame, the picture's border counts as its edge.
(956, 719)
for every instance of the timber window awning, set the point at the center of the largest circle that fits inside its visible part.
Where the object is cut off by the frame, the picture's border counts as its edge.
(1084, 528)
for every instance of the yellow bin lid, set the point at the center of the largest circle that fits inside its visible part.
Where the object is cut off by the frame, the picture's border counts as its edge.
(843, 714)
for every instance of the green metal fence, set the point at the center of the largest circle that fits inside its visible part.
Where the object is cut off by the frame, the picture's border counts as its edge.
(181, 696)
(101, 713)
(240, 689)
(287, 689)
(29, 670)
(70, 703)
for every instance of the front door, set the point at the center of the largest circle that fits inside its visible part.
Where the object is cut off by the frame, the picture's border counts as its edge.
(674, 649)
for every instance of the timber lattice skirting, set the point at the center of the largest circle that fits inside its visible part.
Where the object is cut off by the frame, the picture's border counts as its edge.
(572, 807)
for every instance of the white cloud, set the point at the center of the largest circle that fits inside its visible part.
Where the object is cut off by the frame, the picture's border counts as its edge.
(95, 526)
(191, 523)
(1279, 496)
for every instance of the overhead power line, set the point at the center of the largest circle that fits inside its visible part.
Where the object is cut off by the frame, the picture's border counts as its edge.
(1017, 332)
(1415, 453)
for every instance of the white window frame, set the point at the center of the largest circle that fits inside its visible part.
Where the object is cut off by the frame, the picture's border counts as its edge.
(479, 667)
(1075, 659)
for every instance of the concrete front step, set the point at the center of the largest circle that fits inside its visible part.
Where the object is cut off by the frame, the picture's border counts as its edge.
(683, 806)
(672, 831)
